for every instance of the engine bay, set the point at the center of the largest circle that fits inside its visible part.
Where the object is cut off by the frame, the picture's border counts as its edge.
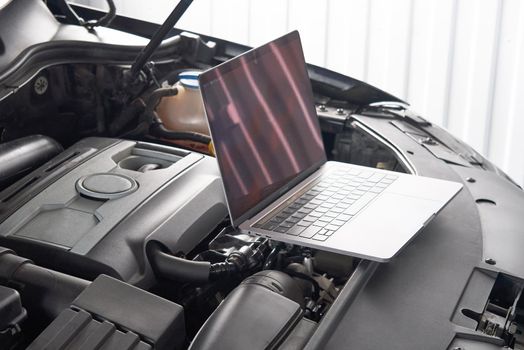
(124, 208)
(154, 216)
(114, 229)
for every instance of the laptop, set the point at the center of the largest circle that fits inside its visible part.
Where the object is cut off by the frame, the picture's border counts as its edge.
(277, 180)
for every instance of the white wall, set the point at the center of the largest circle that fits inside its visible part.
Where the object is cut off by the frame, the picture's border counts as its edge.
(460, 63)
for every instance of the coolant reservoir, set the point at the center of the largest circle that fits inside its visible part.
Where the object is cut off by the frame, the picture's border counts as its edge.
(184, 111)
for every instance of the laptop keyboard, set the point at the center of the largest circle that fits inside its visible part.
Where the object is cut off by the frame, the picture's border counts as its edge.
(328, 204)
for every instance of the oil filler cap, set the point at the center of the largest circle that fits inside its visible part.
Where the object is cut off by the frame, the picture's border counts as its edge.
(106, 186)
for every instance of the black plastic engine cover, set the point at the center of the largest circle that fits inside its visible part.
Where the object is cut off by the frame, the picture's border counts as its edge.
(99, 319)
(92, 209)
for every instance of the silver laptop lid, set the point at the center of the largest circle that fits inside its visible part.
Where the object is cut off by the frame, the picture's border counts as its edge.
(263, 123)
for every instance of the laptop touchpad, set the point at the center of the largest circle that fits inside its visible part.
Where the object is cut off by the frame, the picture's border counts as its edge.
(381, 230)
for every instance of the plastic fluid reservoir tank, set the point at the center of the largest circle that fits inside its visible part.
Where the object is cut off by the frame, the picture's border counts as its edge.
(184, 111)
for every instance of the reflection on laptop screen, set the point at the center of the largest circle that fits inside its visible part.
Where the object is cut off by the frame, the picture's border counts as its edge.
(263, 121)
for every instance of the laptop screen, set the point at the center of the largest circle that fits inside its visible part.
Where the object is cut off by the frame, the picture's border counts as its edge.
(263, 123)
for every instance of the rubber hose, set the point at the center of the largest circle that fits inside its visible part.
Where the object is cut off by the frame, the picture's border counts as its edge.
(20, 156)
(53, 290)
(222, 270)
(177, 269)
(183, 270)
(159, 130)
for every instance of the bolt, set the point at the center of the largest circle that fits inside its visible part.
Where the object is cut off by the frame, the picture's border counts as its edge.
(490, 261)
(340, 111)
(428, 141)
(322, 108)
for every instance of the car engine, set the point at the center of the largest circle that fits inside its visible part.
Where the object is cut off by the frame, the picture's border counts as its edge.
(134, 216)
(139, 223)
(114, 230)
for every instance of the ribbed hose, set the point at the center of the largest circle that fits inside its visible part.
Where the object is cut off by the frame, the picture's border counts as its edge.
(223, 270)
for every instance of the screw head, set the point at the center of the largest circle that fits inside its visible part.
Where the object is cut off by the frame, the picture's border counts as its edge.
(40, 85)
(340, 111)
(470, 179)
(322, 108)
